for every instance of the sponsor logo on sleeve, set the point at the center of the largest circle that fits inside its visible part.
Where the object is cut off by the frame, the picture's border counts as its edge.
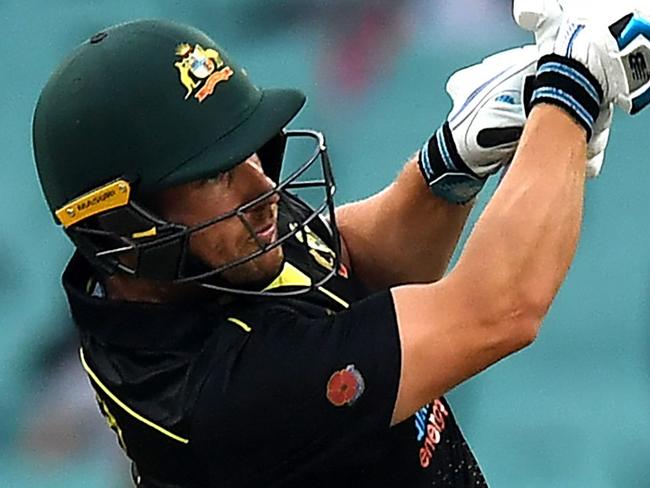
(430, 422)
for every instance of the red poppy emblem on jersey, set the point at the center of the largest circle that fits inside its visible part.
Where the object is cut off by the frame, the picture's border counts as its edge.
(345, 386)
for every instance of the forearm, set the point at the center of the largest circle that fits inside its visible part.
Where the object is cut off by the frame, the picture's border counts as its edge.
(403, 234)
(507, 259)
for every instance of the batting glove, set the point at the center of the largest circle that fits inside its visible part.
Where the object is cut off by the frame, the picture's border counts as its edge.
(483, 128)
(587, 64)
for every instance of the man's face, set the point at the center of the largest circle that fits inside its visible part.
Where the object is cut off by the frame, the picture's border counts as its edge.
(197, 202)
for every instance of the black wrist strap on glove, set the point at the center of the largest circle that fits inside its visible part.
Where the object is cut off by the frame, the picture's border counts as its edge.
(566, 83)
(445, 172)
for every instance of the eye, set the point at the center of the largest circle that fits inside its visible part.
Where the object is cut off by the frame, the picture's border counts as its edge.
(225, 177)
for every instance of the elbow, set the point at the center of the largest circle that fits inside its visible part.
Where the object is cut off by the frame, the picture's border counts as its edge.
(527, 312)
(518, 319)
(508, 312)
(528, 323)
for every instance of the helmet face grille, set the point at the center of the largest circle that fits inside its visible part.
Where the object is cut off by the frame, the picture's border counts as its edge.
(162, 248)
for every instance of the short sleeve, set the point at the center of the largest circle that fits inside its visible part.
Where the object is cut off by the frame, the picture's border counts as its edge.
(301, 396)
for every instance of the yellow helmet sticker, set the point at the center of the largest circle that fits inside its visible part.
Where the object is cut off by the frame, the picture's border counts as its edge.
(107, 197)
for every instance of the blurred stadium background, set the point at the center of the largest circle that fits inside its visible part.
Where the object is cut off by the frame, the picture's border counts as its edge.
(571, 411)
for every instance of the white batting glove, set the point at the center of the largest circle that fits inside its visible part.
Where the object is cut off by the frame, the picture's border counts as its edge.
(615, 49)
(618, 57)
(483, 127)
(487, 116)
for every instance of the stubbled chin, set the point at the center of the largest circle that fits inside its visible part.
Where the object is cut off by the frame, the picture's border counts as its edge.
(262, 269)
(271, 263)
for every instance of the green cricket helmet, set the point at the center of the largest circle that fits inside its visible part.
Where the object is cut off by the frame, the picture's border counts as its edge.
(145, 106)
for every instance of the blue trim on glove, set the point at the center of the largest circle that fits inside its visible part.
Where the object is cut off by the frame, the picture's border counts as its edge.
(636, 26)
(444, 170)
(568, 84)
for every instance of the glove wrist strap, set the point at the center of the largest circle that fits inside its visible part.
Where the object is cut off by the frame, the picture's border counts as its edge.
(566, 83)
(445, 172)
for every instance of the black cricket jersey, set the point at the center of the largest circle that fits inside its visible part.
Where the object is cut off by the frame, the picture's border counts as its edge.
(264, 392)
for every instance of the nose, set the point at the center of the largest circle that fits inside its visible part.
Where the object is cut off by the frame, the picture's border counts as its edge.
(255, 182)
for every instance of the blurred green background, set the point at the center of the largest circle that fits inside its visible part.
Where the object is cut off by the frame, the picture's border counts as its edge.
(570, 411)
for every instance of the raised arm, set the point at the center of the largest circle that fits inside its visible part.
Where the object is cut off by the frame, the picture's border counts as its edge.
(493, 302)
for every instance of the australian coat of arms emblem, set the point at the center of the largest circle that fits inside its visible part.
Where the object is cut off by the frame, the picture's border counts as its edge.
(201, 70)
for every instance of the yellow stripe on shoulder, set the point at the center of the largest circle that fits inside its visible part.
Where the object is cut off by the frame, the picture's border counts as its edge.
(334, 297)
(240, 323)
(125, 407)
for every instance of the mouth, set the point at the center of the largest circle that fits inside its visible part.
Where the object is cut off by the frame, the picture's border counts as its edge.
(266, 227)
(267, 233)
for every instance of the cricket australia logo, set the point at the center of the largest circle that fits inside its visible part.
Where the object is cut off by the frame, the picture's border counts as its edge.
(201, 70)
(320, 251)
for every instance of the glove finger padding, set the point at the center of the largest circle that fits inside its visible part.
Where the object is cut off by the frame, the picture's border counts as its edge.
(542, 17)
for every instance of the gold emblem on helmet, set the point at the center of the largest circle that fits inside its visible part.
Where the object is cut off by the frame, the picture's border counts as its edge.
(201, 70)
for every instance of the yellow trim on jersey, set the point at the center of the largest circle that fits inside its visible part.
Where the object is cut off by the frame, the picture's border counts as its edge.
(107, 197)
(241, 324)
(334, 297)
(124, 407)
(289, 276)
(292, 276)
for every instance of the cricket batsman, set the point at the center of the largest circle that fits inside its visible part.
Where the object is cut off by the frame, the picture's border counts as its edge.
(237, 336)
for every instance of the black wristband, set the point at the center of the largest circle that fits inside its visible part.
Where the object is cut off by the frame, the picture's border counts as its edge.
(444, 170)
(568, 84)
